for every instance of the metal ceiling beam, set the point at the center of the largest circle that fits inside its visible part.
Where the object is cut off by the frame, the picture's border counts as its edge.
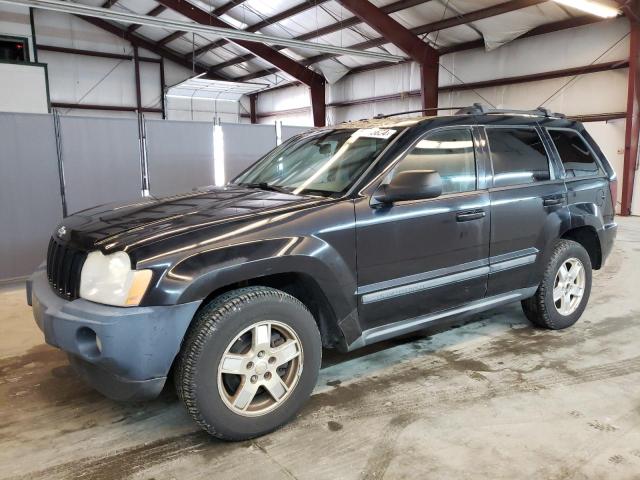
(541, 30)
(396, 33)
(92, 53)
(290, 12)
(282, 62)
(206, 28)
(109, 3)
(315, 81)
(221, 10)
(332, 28)
(113, 108)
(142, 42)
(169, 38)
(470, 17)
(628, 7)
(154, 12)
(474, 16)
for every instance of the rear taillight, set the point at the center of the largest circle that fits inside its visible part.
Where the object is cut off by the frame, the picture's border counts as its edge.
(613, 187)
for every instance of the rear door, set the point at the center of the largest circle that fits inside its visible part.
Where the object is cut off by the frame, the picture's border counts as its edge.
(528, 200)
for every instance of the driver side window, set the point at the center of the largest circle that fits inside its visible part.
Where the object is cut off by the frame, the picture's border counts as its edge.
(449, 152)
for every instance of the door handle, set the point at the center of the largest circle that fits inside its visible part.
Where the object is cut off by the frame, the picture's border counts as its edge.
(467, 216)
(551, 201)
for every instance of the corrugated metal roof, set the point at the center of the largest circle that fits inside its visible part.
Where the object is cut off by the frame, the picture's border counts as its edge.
(314, 18)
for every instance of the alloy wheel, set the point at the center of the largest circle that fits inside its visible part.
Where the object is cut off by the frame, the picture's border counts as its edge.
(569, 285)
(260, 368)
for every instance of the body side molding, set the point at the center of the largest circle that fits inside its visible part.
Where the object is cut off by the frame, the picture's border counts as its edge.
(385, 332)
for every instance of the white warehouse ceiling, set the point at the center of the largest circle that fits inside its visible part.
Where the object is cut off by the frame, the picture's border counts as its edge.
(444, 24)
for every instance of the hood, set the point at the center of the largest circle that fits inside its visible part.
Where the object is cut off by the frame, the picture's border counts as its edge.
(115, 226)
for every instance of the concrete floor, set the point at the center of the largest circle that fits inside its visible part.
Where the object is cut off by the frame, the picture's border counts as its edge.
(494, 398)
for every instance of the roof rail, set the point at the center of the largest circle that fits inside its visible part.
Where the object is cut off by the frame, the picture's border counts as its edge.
(422, 110)
(480, 109)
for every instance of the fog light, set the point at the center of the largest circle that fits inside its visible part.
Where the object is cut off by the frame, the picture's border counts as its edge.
(89, 345)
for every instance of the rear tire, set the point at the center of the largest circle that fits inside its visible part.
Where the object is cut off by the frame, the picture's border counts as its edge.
(240, 371)
(564, 291)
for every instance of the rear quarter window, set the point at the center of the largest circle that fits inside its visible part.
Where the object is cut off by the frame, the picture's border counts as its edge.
(518, 156)
(577, 158)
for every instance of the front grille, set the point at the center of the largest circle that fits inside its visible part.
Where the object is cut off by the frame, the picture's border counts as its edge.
(64, 265)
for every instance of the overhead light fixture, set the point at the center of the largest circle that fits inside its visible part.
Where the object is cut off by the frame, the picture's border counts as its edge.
(592, 7)
(178, 25)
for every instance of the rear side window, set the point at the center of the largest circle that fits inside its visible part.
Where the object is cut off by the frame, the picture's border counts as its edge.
(577, 158)
(518, 156)
(449, 152)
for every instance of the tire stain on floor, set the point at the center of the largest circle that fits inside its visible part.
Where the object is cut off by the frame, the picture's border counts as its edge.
(383, 451)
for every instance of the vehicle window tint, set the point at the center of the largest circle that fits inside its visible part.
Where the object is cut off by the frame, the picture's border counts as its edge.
(448, 152)
(576, 156)
(518, 156)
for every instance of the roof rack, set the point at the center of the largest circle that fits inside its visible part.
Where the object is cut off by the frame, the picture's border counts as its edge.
(422, 110)
(480, 109)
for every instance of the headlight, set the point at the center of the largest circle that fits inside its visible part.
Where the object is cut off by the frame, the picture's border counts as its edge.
(109, 279)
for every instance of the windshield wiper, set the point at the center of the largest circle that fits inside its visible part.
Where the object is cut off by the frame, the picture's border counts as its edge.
(266, 186)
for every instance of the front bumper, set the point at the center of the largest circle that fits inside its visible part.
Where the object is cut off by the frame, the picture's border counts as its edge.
(124, 353)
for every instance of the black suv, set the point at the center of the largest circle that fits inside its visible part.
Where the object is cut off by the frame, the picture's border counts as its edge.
(340, 237)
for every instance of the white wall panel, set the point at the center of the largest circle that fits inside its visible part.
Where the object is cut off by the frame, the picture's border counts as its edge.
(30, 204)
(284, 99)
(290, 131)
(179, 156)
(575, 47)
(610, 138)
(374, 83)
(571, 48)
(96, 80)
(101, 160)
(240, 153)
(357, 112)
(23, 88)
(90, 80)
(202, 110)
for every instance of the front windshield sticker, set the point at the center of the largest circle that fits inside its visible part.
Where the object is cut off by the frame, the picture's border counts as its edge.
(383, 133)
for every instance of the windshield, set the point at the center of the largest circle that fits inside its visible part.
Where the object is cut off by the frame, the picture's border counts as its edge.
(325, 162)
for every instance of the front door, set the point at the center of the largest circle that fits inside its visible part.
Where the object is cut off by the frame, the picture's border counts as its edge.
(419, 257)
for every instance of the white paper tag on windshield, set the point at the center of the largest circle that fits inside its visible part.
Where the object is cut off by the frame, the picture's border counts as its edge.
(383, 133)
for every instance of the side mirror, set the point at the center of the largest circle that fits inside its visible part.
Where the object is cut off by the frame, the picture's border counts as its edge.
(410, 185)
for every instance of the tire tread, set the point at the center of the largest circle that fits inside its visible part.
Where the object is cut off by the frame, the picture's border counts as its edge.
(205, 324)
(535, 308)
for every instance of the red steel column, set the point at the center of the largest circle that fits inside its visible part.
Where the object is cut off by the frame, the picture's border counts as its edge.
(318, 105)
(407, 41)
(632, 130)
(253, 113)
(429, 83)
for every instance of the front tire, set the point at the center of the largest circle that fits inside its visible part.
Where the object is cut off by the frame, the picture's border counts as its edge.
(249, 362)
(564, 291)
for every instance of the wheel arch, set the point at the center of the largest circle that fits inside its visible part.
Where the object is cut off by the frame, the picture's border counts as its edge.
(301, 286)
(587, 236)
